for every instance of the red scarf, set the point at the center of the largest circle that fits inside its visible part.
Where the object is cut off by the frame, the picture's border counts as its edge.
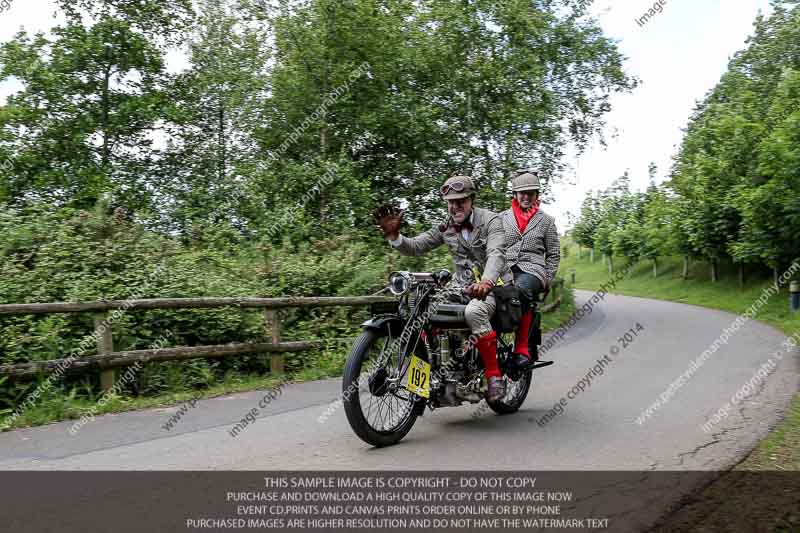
(523, 217)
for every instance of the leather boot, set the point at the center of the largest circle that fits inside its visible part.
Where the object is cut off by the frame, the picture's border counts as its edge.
(496, 389)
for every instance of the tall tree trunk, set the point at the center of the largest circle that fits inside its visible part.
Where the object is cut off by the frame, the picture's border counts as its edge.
(221, 164)
(105, 154)
(591, 255)
(330, 28)
(714, 274)
(655, 267)
(741, 275)
(323, 141)
(775, 275)
(610, 264)
(579, 252)
(685, 267)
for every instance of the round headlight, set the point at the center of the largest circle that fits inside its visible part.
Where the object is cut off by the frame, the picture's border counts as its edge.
(399, 282)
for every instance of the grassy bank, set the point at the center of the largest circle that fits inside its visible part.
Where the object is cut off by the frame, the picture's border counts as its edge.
(781, 449)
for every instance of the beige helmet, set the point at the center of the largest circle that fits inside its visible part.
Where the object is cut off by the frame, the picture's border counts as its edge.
(526, 180)
(457, 187)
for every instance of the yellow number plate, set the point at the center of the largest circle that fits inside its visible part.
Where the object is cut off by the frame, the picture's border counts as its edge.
(419, 377)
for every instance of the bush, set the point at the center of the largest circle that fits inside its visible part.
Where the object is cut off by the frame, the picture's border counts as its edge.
(68, 255)
(49, 255)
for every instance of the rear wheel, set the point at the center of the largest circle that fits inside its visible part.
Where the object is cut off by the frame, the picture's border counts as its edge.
(516, 392)
(379, 408)
(516, 389)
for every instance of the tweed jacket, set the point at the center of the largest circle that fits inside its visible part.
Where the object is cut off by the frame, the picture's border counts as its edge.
(485, 249)
(537, 250)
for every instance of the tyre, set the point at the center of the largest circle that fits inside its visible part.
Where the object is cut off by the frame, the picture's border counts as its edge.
(516, 392)
(378, 407)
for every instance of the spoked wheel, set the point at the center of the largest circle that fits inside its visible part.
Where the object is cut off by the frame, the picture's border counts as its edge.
(516, 390)
(378, 406)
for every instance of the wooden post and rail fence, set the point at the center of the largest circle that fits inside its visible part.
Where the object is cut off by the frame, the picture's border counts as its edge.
(107, 360)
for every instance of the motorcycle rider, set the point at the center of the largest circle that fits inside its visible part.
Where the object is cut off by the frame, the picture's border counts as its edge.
(475, 239)
(533, 252)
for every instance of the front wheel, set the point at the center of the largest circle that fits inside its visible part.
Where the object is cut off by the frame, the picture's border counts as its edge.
(379, 408)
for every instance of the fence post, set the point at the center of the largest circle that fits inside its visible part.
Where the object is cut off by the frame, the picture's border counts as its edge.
(273, 323)
(559, 283)
(105, 345)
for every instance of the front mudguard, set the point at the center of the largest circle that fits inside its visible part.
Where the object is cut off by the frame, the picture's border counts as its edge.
(392, 324)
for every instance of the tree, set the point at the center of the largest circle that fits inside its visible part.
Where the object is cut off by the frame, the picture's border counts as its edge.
(215, 112)
(615, 202)
(91, 99)
(771, 209)
(720, 168)
(586, 227)
(472, 87)
(658, 223)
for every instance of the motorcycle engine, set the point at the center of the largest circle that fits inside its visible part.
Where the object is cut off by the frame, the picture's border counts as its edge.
(459, 381)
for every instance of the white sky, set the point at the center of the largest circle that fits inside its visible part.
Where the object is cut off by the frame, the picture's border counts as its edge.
(678, 56)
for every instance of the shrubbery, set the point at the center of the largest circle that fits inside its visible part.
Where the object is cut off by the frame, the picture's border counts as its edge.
(51, 255)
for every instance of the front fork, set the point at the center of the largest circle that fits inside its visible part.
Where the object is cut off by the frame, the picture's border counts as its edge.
(394, 326)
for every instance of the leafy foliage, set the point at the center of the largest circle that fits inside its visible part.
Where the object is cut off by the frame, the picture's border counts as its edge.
(733, 189)
(253, 171)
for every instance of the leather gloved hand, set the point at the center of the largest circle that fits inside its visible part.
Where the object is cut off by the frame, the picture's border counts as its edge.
(480, 290)
(388, 219)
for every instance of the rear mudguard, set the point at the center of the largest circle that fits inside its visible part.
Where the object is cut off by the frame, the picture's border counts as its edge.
(394, 325)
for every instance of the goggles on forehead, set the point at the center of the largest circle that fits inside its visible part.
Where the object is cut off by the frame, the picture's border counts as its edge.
(457, 186)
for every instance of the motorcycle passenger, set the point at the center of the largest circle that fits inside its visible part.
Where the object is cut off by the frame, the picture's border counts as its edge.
(475, 239)
(532, 254)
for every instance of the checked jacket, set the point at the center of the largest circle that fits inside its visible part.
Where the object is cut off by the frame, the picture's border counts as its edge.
(537, 250)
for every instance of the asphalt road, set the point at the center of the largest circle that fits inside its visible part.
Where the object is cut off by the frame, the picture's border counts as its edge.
(597, 429)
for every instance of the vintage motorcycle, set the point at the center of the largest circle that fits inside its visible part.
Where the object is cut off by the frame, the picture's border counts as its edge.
(416, 352)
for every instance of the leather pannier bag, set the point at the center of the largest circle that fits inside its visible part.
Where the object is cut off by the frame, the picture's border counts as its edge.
(509, 308)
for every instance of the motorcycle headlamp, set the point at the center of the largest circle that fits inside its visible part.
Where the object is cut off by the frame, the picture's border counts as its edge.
(399, 283)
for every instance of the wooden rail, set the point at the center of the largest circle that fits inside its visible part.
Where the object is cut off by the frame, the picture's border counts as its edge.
(111, 360)
(107, 360)
(190, 303)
